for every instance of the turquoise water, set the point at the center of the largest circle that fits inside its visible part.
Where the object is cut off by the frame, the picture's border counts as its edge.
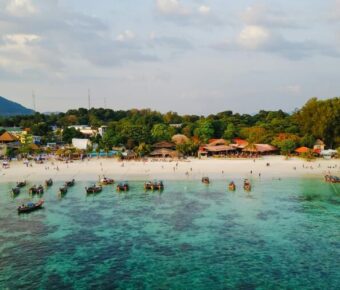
(283, 235)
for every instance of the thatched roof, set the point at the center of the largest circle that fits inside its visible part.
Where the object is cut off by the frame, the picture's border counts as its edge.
(260, 148)
(180, 139)
(219, 148)
(164, 152)
(164, 144)
(8, 137)
(218, 142)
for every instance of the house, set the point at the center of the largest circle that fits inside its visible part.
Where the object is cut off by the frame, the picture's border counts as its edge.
(240, 143)
(260, 148)
(164, 149)
(216, 147)
(8, 137)
(85, 130)
(82, 144)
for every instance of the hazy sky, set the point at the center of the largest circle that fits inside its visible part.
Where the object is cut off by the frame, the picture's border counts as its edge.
(189, 56)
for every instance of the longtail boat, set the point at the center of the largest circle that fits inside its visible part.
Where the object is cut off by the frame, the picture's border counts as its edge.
(232, 186)
(49, 182)
(93, 189)
(246, 185)
(63, 190)
(205, 180)
(21, 183)
(106, 181)
(122, 186)
(332, 179)
(70, 183)
(16, 190)
(157, 185)
(36, 190)
(25, 208)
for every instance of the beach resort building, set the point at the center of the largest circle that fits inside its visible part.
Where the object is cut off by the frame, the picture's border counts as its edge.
(85, 130)
(82, 144)
(164, 149)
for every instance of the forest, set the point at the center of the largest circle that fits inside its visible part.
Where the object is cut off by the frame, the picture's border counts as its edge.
(138, 129)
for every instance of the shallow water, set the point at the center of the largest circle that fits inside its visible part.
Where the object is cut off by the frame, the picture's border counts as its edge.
(282, 235)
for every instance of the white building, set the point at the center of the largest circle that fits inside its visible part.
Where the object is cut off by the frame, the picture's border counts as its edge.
(85, 130)
(82, 144)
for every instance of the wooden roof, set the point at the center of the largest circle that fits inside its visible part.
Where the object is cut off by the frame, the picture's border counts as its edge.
(8, 137)
(164, 144)
(218, 148)
(218, 142)
(164, 152)
(260, 148)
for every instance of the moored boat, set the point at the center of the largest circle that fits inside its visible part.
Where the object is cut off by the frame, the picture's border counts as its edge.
(106, 181)
(70, 183)
(36, 190)
(63, 189)
(16, 190)
(205, 180)
(21, 183)
(122, 186)
(332, 179)
(246, 185)
(49, 182)
(93, 189)
(232, 186)
(157, 185)
(25, 208)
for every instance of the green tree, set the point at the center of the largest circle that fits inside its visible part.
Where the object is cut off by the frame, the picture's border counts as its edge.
(161, 132)
(204, 130)
(142, 149)
(230, 132)
(70, 133)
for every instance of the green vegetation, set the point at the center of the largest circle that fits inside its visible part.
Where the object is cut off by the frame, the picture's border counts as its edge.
(137, 129)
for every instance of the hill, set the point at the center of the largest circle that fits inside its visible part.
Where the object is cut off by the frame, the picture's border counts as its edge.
(9, 108)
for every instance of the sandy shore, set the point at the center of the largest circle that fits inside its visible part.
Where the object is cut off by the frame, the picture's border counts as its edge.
(192, 169)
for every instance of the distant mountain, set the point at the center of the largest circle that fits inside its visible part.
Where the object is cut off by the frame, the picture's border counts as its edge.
(9, 108)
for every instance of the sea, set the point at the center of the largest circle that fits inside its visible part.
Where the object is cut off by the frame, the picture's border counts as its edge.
(284, 234)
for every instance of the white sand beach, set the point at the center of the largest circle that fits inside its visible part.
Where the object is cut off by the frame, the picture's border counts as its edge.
(193, 169)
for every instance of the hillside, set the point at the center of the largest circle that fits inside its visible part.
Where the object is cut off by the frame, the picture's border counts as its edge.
(9, 108)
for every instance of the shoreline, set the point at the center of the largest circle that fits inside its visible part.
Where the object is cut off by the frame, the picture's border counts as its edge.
(190, 169)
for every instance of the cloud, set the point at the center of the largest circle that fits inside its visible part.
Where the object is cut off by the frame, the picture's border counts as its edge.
(262, 32)
(254, 37)
(262, 15)
(171, 7)
(51, 40)
(21, 7)
(203, 9)
(125, 36)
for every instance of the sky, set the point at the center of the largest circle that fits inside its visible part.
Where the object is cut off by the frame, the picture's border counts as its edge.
(188, 56)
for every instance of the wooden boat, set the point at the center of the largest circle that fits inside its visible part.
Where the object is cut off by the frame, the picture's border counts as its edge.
(232, 186)
(70, 183)
(63, 190)
(106, 181)
(246, 185)
(16, 190)
(36, 190)
(122, 187)
(49, 182)
(25, 208)
(93, 189)
(21, 183)
(332, 179)
(205, 180)
(158, 185)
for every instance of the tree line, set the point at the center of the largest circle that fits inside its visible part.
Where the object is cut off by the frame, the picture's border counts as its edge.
(317, 119)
